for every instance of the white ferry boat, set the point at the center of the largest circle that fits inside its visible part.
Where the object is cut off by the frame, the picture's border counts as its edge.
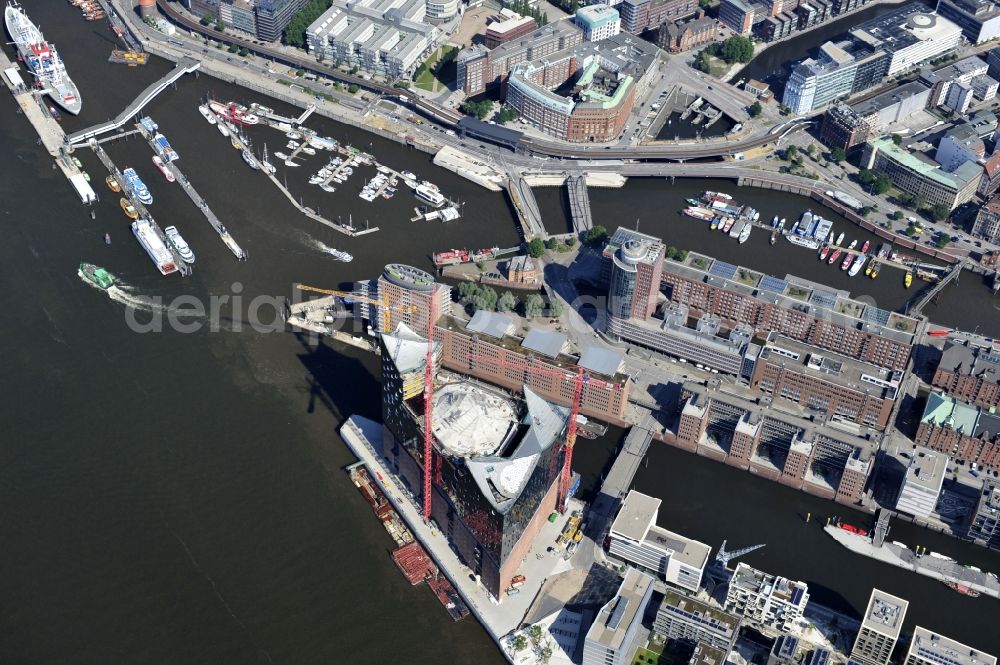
(341, 255)
(42, 59)
(207, 114)
(178, 243)
(135, 185)
(151, 242)
(430, 194)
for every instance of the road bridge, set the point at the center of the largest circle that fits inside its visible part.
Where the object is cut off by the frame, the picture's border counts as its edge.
(923, 299)
(579, 203)
(620, 477)
(185, 65)
(526, 207)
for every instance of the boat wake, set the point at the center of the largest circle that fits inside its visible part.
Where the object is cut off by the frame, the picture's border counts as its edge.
(123, 294)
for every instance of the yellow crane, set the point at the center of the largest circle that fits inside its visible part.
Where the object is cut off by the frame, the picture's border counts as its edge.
(385, 307)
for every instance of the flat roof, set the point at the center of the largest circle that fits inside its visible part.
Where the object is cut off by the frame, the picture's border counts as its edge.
(927, 468)
(725, 621)
(614, 619)
(932, 646)
(683, 549)
(470, 421)
(547, 342)
(885, 613)
(830, 366)
(706, 654)
(637, 515)
(932, 171)
(757, 581)
(888, 98)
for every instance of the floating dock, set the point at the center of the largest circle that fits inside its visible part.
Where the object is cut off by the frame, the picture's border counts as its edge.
(939, 568)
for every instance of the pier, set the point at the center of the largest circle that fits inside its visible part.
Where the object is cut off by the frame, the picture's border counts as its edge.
(579, 203)
(923, 299)
(184, 66)
(182, 267)
(939, 568)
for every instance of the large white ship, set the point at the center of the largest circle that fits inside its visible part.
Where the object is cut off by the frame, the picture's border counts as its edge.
(153, 244)
(41, 59)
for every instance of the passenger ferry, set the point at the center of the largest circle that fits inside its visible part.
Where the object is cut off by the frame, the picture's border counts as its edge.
(135, 184)
(430, 194)
(178, 243)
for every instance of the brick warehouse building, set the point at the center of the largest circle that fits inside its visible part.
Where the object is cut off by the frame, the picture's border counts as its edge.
(969, 374)
(964, 432)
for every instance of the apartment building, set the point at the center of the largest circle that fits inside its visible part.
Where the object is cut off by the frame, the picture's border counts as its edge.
(880, 628)
(681, 617)
(766, 601)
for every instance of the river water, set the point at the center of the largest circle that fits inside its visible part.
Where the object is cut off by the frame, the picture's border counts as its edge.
(178, 496)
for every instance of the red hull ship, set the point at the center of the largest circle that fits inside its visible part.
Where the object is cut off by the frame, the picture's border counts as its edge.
(451, 257)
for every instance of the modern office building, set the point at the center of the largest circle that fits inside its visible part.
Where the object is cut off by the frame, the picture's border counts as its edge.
(929, 648)
(984, 528)
(880, 628)
(824, 382)
(263, 19)
(239, 15)
(791, 307)
(273, 17)
(818, 81)
(486, 349)
(640, 15)
(408, 295)
(598, 22)
(737, 15)
(918, 175)
(636, 268)
(682, 36)
(969, 373)
(585, 93)
(960, 144)
(987, 224)
(510, 26)
(442, 10)
(384, 37)
(766, 601)
(496, 459)
(635, 539)
(910, 34)
(960, 430)
(843, 128)
(922, 481)
(892, 106)
(682, 617)
(480, 68)
(943, 79)
(978, 19)
(617, 631)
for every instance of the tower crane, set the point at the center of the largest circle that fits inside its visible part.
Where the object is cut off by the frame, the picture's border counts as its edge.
(383, 305)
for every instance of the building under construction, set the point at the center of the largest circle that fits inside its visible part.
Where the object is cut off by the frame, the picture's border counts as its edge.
(495, 460)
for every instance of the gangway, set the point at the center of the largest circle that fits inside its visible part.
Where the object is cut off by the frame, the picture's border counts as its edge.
(185, 65)
(925, 298)
(305, 114)
(881, 529)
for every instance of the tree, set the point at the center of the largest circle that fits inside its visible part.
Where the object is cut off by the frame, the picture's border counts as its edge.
(353, 88)
(533, 306)
(466, 291)
(791, 152)
(546, 654)
(536, 248)
(737, 49)
(755, 110)
(942, 241)
(939, 211)
(838, 154)
(520, 643)
(507, 114)
(295, 31)
(244, 53)
(882, 184)
(595, 236)
(506, 302)
(233, 48)
(551, 243)
(206, 19)
(485, 299)
(897, 215)
(556, 308)
(535, 632)
(703, 61)
(476, 109)
(897, 139)
(220, 25)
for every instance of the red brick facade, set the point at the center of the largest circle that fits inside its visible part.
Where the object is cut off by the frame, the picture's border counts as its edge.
(984, 451)
(967, 387)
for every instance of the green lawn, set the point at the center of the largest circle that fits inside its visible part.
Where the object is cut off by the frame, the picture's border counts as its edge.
(427, 79)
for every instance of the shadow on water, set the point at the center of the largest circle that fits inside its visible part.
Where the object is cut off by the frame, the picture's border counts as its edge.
(329, 370)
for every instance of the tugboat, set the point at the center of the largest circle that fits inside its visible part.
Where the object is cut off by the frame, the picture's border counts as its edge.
(129, 209)
(113, 184)
(97, 275)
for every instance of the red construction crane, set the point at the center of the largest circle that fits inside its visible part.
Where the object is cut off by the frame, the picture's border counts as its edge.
(579, 380)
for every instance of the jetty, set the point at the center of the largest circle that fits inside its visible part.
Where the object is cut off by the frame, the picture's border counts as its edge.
(322, 316)
(929, 565)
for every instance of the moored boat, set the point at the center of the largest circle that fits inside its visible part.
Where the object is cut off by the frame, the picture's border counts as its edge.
(836, 255)
(163, 168)
(864, 247)
(151, 242)
(429, 194)
(737, 228)
(42, 59)
(848, 260)
(824, 252)
(221, 126)
(774, 236)
(908, 280)
(129, 209)
(97, 275)
(854, 243)
(179, 244)
(135, 185)
(808, 243)
(113, 184)
(207, 114)
(745, 233)
(698, 213)
(840, 239)
(250, 159)
(856, 266)
(963, 589)
(450, 257)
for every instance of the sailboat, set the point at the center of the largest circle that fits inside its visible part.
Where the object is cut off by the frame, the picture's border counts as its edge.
(266, 164)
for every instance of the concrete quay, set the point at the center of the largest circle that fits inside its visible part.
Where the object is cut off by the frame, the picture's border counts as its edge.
(498, 617)
(900, 556)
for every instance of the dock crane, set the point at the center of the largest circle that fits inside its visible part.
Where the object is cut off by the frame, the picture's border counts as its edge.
(385, 307)
(723, 557)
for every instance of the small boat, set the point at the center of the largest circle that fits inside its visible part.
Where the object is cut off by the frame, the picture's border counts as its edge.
(836, 255)
(77, 163)
(309, 151)
(207, 114)
(340, 255)
(962, 588)
(745, 233)
(129, 209)
(327, 187)
(293, 135)
(833, 234)
(794, 229)
(250, 160)
(107, 238)
(864, 247)
(113, 184)
(408, 175)
(292, 145)
(97, 275)
(854, 243)
(869, 268)
(715, 196)
(729, 224)
(179, 244)
(281, 155)
(774, 222)
(694, 202)
(940, 332)
(840, 239)
(715, 223)
(850, 528)
(781, 224)
(856, 266)
(774, 236)
(908, 280)
(874, 272)
(55, 113)
(235, 141)
(163, 168)
(222, 129)
(289, 162)
(86, 176)
(824, 252)
(848, 260)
